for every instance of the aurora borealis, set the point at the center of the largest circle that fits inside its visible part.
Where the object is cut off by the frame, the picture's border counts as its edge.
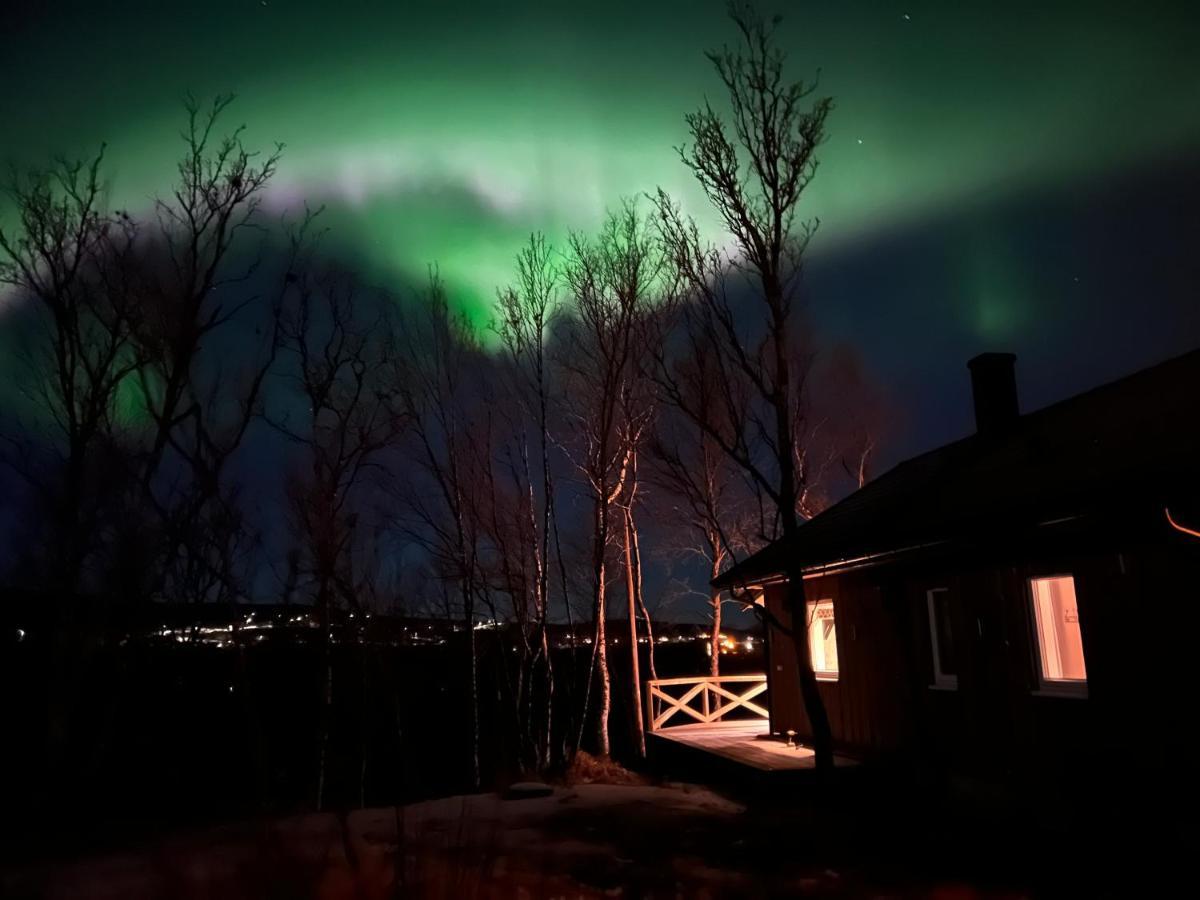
(977, 151)
(392, 390)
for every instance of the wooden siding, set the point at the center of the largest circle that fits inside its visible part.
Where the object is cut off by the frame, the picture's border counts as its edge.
(866, 704)
(1139, 619)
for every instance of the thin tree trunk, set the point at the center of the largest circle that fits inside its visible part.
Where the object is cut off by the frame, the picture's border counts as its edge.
(600, 611)
(602, 666)
(469, 618)
(814, 703)
(641, 597)
(544, 564)
(326, 698)
(587, 693)
(715, 600)
(540, 739)
(639, 729)
(544, 750)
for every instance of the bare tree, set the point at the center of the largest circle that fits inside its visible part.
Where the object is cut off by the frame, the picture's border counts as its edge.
(217, 195)
(701, 486)
(66, 262)
(612, 280)
(437, 387)
(68, 256)
(860, 417)
(129, 307)
(342, 349)
(191, 288)
(527, 310)
(637, 417)
(133, 308)
(754, 171)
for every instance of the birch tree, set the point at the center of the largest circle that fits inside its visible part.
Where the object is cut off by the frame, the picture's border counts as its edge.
(611, 279)
(527, 310)
(439, 389)
(754, 167)
(701, 487)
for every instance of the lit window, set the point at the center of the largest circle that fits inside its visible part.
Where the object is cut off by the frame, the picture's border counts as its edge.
(822, 639)
(941, 638)
(1059, 640)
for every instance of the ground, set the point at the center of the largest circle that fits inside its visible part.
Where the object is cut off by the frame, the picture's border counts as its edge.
(589, 840)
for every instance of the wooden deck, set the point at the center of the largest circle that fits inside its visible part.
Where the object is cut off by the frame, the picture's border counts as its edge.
(704, 704)
(747, 742)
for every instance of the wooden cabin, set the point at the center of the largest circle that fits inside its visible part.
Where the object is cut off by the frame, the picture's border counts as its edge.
(1017, 608)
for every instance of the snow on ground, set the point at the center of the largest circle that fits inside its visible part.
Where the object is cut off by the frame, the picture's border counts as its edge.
(591, 840)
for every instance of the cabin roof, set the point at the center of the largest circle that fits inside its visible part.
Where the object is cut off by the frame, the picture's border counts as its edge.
(1136, 439)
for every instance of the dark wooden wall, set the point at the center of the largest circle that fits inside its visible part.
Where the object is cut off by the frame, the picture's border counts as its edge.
(1140, 619)
(866, 705)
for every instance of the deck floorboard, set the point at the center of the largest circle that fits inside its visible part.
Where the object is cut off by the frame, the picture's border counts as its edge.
(747, 742)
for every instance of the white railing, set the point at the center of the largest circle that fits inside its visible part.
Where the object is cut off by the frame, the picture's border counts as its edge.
(703, 700)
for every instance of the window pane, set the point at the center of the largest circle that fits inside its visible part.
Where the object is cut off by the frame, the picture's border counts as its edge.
(822, 637)
(944, 632)
(1060, 642)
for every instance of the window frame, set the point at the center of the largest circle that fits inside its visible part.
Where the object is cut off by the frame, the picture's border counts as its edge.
(1053, 687)
(824, 675)
(941, 680)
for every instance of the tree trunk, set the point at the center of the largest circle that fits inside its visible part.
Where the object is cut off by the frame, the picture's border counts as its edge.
(814, 704)
(548, 724)
(599, 549)
(602, 667)
(469, 617)
(715, 600)
(326, 702)
(635, 687)
(544, 567)
(641, 597)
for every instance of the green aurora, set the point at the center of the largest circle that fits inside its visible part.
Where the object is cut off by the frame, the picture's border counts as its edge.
(443, 133)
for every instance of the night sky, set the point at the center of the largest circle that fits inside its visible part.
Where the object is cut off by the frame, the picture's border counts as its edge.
(1017, 176)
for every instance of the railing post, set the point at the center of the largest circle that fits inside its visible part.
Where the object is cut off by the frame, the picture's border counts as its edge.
(707, 715)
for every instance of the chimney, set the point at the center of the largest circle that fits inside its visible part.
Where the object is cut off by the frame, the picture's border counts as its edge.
(994, 386)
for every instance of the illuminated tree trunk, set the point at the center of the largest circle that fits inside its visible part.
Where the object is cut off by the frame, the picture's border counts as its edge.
(715, 600)
(610, 280)
(631, 524)
(635, 686)
(601, 609)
